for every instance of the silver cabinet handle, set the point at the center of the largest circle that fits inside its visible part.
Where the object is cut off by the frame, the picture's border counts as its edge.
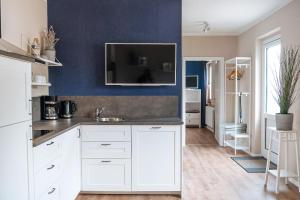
(106, 161)
(50, 143)
(79, 133)
(53, 189)
(155, 127)
(105, 144)
(52, 166)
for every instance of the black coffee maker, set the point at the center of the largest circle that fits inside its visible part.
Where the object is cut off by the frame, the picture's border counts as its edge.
(49, 107)
(68, 108)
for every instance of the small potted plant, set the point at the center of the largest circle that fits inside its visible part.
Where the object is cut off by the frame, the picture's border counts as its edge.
(285, 88)
(50, 41)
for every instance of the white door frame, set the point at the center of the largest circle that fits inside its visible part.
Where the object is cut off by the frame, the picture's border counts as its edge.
(218, 135)
(264, 116)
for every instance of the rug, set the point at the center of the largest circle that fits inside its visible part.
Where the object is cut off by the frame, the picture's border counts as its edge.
(253, 164)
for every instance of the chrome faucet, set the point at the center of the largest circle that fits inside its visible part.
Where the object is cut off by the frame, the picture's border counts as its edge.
(99, 112)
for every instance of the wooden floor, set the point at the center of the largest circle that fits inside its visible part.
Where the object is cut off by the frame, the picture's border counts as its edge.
(210, 174)
(200, 136)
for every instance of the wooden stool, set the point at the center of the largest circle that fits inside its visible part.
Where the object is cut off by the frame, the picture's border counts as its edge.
(279, 137)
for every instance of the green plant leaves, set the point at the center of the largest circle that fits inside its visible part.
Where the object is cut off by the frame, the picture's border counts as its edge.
(286, 80)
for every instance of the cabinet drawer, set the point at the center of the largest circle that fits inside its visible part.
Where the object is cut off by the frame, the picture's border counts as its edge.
(106, 149)
(94, 133)
(52, 193)
(106, 175)
(47, 176)
(46, 152)
(192, 121)
(192, 115)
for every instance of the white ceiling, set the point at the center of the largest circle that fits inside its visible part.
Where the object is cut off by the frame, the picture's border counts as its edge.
(226, 17)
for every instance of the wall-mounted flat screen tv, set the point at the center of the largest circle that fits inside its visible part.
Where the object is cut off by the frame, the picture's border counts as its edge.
(191, 81)
(140, 64)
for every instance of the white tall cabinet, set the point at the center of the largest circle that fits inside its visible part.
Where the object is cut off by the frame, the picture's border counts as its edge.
(15, 90)
(156, 158)
(15, 130)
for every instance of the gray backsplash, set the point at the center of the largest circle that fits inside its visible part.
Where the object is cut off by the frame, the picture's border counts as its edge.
(126, 106)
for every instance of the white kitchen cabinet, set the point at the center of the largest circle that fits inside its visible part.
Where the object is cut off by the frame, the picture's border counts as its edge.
(106, 175)
(106, 158)
(46, 152)
(71, 165)
(15, 90)
(46, 177)
(57, 167)
(94, 133)
(106, 149)
(15, 158)
(52, 193)
(156, 158)
(47, 164)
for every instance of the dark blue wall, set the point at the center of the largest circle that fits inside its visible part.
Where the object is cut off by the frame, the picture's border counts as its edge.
(199, 68)
(84, 27)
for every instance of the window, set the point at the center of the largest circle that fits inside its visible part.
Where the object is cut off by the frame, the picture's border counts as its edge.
(272, 51)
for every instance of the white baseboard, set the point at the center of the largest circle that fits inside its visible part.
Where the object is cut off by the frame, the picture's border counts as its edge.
(254, 154)
(209, 128)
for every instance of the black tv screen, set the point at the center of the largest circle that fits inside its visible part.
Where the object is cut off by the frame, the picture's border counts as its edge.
(191, 81)
(140, 64)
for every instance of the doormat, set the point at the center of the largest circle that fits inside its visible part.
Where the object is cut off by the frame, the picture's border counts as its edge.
(253, 164)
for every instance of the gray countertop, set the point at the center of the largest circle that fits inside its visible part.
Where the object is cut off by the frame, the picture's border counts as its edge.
(62, 125)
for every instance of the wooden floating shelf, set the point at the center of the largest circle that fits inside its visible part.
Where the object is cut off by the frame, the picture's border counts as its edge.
(49, 62)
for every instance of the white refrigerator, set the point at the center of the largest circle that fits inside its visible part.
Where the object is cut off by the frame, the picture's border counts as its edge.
(15, 129)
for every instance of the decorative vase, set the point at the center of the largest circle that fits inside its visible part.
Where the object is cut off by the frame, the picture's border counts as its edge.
(50, 53)
(284, 122)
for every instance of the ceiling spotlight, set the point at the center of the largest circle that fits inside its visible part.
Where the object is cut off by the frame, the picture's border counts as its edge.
(204, 26)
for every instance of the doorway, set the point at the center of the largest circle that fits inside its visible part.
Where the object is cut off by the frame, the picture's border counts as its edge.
(203, 95)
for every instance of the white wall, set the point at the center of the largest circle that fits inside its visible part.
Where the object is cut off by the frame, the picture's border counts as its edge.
(209, 46)
(22, 20)
(285, 21)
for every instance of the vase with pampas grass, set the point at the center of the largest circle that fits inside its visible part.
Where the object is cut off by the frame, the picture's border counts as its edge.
(50, 41)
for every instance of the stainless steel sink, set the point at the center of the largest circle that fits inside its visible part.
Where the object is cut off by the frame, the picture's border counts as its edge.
(110, 119)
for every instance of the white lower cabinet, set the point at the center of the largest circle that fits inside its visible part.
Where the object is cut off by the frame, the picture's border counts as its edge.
(106, 174)
(52, 193)
(106, 150)
(71, 165)
(106, 158)
(57, 167)
(156, 158)
(143, 159)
